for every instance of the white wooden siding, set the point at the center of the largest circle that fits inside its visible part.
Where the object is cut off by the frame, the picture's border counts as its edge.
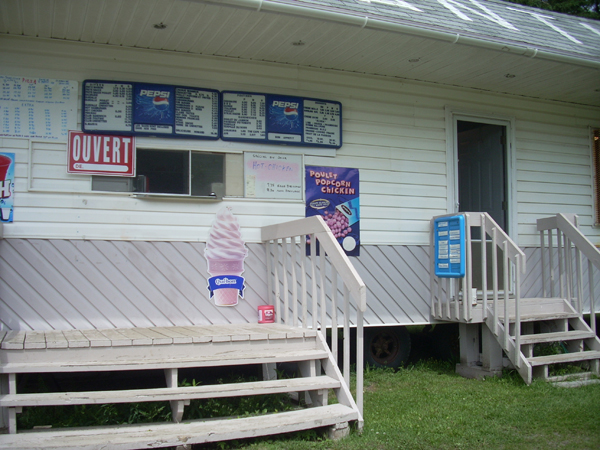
(394, 131)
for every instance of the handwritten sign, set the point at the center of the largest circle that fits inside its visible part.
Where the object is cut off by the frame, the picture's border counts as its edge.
(273, 176)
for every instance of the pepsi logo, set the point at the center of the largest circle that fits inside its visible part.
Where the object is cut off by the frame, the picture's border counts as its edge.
(293, 105)
(150, 93)
(160, 102)
(290, 113)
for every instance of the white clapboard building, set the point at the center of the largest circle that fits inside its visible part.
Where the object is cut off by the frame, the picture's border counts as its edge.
(447, 106)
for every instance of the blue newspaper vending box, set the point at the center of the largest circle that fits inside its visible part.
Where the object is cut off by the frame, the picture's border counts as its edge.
(449, 249)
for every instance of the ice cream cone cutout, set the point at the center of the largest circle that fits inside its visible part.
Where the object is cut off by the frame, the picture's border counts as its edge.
(225, 253)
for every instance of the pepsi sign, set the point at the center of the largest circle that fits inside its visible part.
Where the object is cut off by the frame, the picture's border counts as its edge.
(150, 109)
(281, 119)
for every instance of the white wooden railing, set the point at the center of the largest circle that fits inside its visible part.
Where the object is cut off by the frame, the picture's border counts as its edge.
(564, 249)
(453, 299)
(320, 290)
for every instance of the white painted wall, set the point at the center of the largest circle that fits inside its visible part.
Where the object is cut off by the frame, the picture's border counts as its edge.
(394, 131)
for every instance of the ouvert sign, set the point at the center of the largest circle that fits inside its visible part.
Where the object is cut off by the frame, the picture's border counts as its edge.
(101, 154)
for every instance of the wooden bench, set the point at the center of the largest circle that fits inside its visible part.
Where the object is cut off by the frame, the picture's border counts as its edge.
(170, 349)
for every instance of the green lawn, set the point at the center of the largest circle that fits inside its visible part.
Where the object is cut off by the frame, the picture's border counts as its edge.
(428, 406)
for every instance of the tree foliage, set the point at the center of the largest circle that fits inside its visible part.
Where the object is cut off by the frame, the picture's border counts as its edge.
(583, 8)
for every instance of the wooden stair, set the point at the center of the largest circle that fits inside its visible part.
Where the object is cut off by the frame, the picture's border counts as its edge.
(170, 349)
(175, 434)
(566, 327)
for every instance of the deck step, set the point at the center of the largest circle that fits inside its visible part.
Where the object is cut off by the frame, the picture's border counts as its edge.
(227, 357)
(165, 394)
(538, 317)
(563, 358)
(581, 376)
(125, 437)
(555, 337)
(537, 309)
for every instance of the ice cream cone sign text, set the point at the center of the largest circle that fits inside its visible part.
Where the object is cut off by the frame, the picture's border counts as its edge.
(225, 253)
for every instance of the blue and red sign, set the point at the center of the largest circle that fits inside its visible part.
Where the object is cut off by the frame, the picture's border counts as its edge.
(281, 119)
(7, 186)
(332, 192)
(114, 107)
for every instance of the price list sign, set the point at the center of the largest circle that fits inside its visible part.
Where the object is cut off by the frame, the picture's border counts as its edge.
(107, 106)
(449, 241)
(150, 109)
(278, 119)
(37, 108)
(243, 116)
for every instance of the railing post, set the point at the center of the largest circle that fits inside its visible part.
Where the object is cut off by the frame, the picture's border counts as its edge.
(495, 278)
(286, 304)
(543, 261)
(551, 261)
(315, 300)
(468, 279)
(484, 265)
(303, 281)
(334, 303)
(517, 358)
(323, 296)
(506, 296)
(294, 281)
(278, 314)
(560, 251)
(592, 296)
(346, 335)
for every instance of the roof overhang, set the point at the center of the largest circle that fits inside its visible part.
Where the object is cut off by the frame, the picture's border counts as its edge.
(491, 46)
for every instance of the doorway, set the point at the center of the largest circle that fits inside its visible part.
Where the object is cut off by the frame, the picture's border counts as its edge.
(482, 169)
(481, 149)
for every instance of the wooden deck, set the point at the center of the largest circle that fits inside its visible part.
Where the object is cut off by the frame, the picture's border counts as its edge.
(171, 349)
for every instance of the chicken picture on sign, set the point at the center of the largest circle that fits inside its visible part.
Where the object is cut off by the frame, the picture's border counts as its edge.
(101, 154)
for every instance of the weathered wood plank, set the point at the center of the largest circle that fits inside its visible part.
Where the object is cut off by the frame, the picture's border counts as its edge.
(56, 339)
(225, 357)
(126, 437)
(564, 358)
(172, 333)
(96, 338)
(555, 337)
(76, 339)
(116, 339)
(157, 338)
(136, 337)
(35, 340)
(14, 340)
(174, 393)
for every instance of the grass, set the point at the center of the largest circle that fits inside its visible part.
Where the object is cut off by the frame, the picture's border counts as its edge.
(428, 406)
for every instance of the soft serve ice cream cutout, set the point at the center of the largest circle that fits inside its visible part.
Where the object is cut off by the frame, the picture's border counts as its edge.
(225, 253)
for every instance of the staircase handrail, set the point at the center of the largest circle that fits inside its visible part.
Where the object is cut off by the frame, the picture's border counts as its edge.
(353, 286)
(567, 225)
(316, 225)
(463, 311)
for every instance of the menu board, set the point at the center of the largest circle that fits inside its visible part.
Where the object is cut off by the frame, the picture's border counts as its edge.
(150, 109)
(243, 116)
(449, 239)
(279, 119)
(37, 108)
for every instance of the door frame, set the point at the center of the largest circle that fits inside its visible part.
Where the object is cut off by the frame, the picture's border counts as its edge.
(453, 115)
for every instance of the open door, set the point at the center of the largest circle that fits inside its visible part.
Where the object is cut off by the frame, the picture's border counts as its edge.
(482, 180)
(481, 149)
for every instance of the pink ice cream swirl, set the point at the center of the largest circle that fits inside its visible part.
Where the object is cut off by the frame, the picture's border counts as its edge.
(225, 243)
